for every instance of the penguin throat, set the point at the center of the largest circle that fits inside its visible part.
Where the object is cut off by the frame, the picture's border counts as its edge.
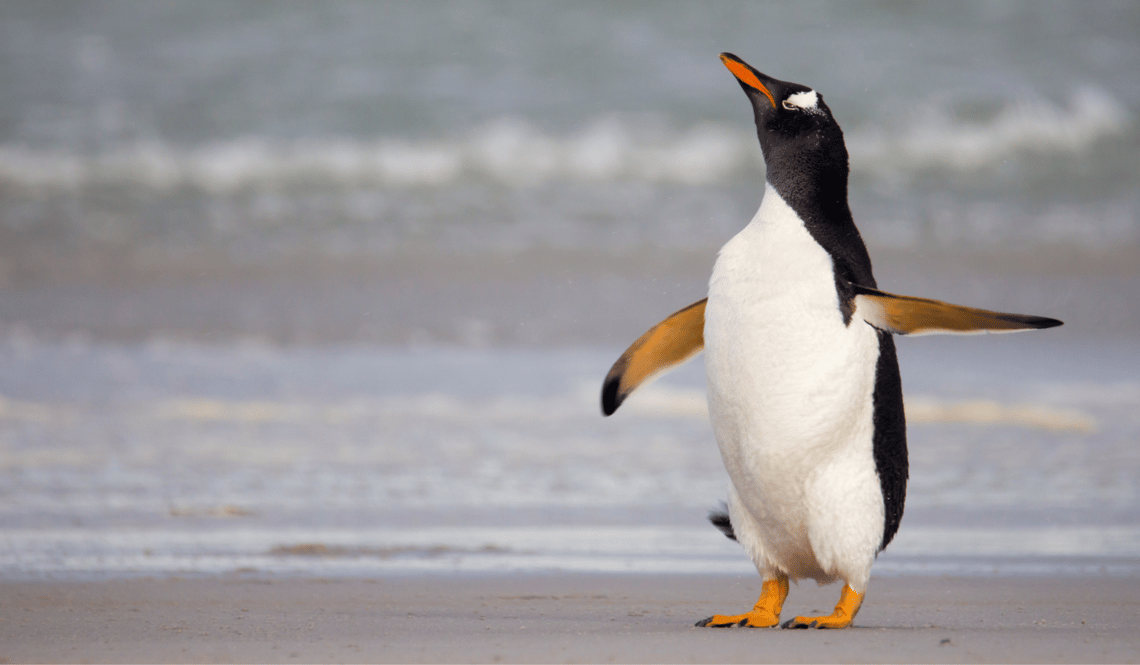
(818, 195)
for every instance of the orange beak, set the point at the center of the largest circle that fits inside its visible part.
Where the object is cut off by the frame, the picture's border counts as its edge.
(744, 74)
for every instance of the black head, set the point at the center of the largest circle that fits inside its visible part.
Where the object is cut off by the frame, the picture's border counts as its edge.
(793, 122)
(806, 162)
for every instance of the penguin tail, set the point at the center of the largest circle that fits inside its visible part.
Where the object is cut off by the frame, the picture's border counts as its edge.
(720, 520)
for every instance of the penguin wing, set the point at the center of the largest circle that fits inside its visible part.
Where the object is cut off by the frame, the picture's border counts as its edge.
(904, 315)
(671, 342)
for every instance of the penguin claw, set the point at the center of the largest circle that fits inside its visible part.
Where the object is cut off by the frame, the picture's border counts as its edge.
(703, 623)
(738, 621)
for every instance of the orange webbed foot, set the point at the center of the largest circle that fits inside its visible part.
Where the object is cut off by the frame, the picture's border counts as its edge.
(765, 614)
(845, 610)
(752, 619)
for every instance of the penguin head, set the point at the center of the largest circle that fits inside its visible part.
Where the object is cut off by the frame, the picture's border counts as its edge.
(792, 120)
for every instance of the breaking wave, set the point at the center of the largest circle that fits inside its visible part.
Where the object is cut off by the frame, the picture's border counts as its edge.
(512, 152)
(509, 151)
(1033, 127)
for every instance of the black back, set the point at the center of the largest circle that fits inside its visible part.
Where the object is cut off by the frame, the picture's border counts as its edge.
(889, 443)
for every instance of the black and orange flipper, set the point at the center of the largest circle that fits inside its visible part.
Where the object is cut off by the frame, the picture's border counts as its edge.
(667, 344)
(905, 315)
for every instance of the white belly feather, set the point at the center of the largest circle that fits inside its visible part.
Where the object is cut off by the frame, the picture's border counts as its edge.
(789, 387)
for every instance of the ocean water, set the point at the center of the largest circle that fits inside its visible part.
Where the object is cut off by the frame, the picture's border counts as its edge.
(370, 128)
(149, 459)
(330, 290)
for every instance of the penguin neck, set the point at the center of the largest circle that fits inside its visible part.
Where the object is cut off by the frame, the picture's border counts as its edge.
(812, 180)
(814, 185)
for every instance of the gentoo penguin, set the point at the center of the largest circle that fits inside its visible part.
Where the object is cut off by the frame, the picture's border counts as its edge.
(803, 382)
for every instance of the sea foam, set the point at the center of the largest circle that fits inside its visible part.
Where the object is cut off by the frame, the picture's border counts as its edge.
(513, 152)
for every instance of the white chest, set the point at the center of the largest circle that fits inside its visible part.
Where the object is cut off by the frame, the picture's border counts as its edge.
(789, 383)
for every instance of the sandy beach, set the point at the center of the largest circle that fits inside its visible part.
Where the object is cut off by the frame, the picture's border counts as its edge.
(558, 618)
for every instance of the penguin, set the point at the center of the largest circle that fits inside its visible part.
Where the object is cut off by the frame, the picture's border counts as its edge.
(804, 393)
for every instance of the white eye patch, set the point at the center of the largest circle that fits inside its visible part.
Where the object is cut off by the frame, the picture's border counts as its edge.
(805, 101)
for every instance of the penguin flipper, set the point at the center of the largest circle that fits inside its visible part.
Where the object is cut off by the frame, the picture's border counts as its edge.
(906, 315)
(671, 342)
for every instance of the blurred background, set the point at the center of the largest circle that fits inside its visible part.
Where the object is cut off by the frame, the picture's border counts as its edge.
(296, 287)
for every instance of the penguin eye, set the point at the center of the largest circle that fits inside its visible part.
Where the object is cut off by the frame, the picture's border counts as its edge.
(803, 101)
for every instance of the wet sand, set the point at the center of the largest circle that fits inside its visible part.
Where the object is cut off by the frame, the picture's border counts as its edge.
(559, 618)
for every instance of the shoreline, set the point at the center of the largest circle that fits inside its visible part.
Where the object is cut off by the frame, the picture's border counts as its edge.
(559, 618)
